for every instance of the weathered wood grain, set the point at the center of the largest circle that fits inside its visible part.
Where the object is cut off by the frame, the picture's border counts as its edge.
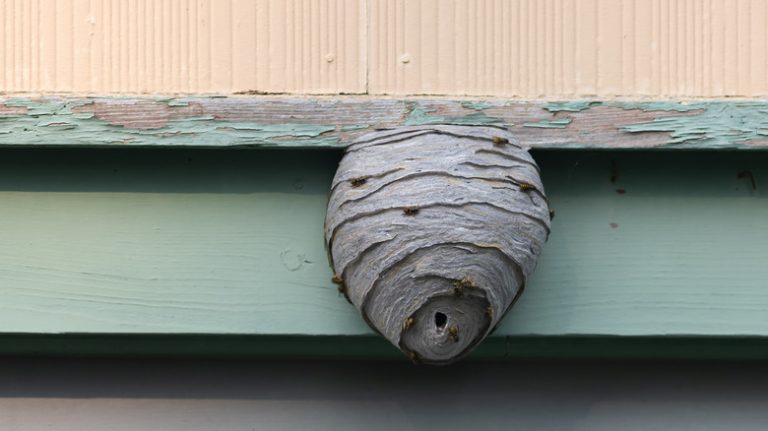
(432, 232)
(334, 122)
(185, 242)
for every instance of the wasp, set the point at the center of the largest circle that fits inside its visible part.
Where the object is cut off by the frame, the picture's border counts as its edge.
(489, 312)
(410, 211)
(748, 175)
(498, 140)
(453, 332)
(464, 283)
(358, 181)
(408, 323)
(340, 286)
(526, 187)
(414, 357)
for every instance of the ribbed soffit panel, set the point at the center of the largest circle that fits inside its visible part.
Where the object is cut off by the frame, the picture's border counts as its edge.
(511, 48)
(182, 46)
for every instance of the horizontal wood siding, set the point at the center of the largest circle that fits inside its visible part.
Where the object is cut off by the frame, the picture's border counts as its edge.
(515, 48)
(230, 242)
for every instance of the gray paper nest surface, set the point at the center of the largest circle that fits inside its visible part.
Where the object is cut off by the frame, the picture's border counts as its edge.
(432, 232)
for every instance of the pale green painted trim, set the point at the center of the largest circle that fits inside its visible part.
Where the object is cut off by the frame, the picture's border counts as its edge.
(333, 122)
(231, 242)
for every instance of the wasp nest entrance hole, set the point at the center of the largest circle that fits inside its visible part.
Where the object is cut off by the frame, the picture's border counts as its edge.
(440, 320)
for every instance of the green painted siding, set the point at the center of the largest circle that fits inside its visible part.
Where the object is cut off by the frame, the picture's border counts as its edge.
(230, 242)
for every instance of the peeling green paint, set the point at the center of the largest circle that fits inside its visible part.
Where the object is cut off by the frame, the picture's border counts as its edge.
(651, 106)
(571, 106)
(560, 123)
(477, 105)
(646, 106)
(418, 115)
(43, 123)
(178, 102)
(223, 122)
(720, 124)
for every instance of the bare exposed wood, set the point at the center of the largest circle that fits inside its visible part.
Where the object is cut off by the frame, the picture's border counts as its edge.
(334, 122)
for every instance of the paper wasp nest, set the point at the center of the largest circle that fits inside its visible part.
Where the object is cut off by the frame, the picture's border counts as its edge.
(432, 232)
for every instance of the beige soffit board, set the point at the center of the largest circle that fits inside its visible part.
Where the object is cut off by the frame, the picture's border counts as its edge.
(182, 46)
(523, 48)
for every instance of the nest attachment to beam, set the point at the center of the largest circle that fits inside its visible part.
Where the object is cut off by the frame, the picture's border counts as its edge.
(432, 232)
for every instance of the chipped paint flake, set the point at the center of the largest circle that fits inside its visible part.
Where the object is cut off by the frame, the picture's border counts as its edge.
(419, 115)
(719, 125)
(560, 123)
(44, 121)
(178, 102)
(652, 106)
(570, 106)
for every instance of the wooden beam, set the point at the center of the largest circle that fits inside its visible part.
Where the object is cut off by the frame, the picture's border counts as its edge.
(175, 242)
(375, 347)
(333, 122)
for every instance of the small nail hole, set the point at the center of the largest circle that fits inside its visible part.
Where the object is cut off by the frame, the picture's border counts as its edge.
(440, 320)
